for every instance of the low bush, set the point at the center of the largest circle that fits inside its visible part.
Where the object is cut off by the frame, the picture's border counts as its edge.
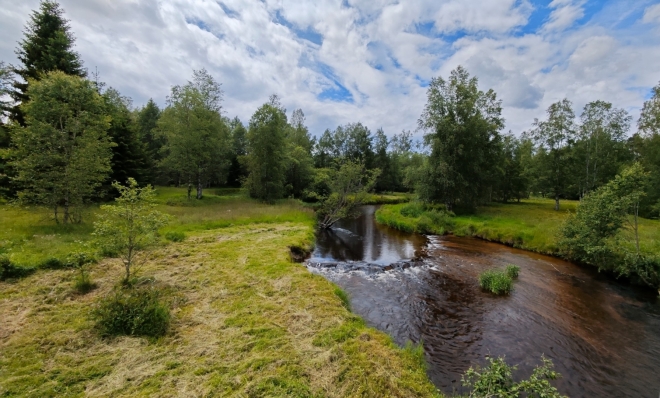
(81, 260)
(175, 236)
(496, 281)
(134, 311)
(8, 270)
(512, 271)
(53, 263)
(496, 380)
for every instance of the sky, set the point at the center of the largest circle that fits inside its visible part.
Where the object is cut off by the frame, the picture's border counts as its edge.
(344, 61)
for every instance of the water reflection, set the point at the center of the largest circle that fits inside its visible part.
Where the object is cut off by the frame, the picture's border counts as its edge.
(603, 337)
(363, 239)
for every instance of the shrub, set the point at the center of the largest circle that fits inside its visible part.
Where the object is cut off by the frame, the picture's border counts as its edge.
(175, 236)
(80, 260)
(512, 271)
(53, 263)
(496, 380)
(497, 282)
(10, 271)
(133, 312)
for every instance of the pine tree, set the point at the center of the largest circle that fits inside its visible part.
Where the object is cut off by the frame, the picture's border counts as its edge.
(47, 46)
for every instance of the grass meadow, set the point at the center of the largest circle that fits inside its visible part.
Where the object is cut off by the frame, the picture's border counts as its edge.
(247, 321)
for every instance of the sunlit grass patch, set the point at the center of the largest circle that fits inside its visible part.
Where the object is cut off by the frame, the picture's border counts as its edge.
(247, 320)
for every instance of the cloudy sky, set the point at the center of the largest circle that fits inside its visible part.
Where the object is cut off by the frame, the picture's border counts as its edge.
(366, 60)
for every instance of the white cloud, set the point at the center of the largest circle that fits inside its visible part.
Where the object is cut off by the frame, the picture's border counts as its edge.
(652, 14)
(381, 51)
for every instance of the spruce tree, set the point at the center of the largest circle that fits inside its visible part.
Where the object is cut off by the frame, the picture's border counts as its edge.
(47, 46)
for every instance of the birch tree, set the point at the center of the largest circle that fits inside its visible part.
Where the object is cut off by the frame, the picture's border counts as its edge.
(198, 146)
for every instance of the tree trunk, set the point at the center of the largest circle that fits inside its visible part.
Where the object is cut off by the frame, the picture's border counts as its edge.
(556, 202)
(57, 219)
(199, 188)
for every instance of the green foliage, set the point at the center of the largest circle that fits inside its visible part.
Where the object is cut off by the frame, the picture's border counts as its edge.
(146, 124)
(64, 153)
(198, 146)
(11, 271)
(350, 186)
(80, 260)
(496, 381)
(175, 236)
(266, 158)
(343, 296)
(134, 311)
(416, 217)
(131, 224)
(593, 233)
(130, 158)
(555, 136)
(496, 281)
(512, 271)
(46, 47)
(463, 126)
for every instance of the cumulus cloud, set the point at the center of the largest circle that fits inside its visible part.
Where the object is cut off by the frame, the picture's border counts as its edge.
(361, 60)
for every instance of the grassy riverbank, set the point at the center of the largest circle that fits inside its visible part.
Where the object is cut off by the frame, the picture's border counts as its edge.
(532, 224)
(246, 320)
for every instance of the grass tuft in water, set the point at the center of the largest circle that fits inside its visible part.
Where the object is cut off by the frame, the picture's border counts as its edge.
(512, 271)
(496, 281)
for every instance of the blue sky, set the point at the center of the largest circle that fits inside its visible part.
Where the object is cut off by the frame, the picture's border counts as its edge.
(344, 61)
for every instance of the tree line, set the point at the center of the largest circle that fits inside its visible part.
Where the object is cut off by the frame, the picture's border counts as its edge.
(65, 138)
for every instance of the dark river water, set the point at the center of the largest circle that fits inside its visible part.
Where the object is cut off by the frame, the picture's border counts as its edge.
(603, 336)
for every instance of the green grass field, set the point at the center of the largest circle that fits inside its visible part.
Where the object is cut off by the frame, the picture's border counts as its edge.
(532, 224)
(247, 322)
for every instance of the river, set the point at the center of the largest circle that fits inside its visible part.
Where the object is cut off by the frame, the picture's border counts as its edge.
(603, 336)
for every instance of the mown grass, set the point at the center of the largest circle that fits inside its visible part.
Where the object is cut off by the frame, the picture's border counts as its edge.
(532, 224)
(246, 321)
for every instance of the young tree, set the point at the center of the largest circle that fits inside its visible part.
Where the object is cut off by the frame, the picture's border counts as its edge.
(387, 179)
(512, 183)
(323, 150)
(601, 145)
(63, 154)
(198, 144)
(299, 133)
(463, 126)
(237, 169)
(47, 46)
(146, 120)
(349, 186)
(267, 152)
(556, 135)
(129, 155)
(131, 225)
(6, 77)
(600, 216)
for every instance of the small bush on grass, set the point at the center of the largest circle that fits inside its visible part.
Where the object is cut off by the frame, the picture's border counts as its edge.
(495, 281)
(53, 263)
(81, 260)
(10, 271)
(175, 236)
(135, 311)
(512, 271)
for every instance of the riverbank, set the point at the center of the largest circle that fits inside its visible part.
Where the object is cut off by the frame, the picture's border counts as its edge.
(532, 224)
(246, 320)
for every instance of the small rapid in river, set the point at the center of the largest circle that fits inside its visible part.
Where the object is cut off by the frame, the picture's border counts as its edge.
(603, 337)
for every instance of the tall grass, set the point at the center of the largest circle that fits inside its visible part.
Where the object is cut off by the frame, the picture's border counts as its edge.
(415, 217)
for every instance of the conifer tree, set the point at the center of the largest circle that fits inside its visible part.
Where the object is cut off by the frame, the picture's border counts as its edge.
(47, 46)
